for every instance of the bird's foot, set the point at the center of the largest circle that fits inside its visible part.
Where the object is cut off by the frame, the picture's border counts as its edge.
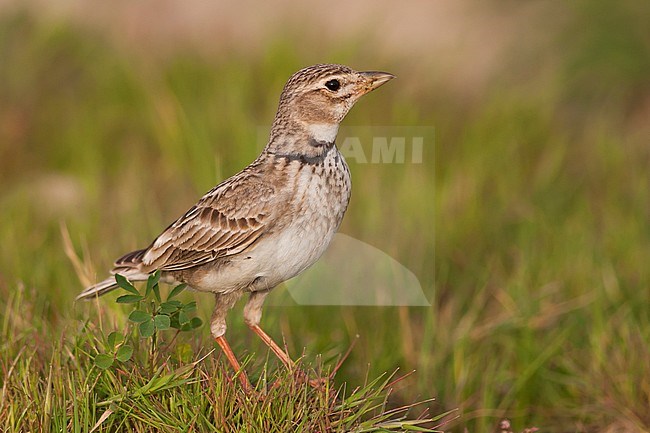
(301, 377)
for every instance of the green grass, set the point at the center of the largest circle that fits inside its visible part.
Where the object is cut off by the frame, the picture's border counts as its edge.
(58, 383)
(526, 224)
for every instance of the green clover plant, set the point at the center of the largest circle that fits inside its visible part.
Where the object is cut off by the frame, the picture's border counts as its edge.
(151, 315)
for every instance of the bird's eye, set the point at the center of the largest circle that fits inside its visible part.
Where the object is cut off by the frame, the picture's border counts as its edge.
(333, 85)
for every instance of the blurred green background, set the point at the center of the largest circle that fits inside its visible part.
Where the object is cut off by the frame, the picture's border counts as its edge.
(527, 222)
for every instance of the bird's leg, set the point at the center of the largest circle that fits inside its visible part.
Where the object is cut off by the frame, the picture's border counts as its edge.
(232, 359)
(252, 317)
(286, 360)
(281, 354)
(224, 302)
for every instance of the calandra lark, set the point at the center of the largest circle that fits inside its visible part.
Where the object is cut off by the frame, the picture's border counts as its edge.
(272, 220)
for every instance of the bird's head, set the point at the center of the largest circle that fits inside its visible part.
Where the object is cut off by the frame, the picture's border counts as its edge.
(318, 97)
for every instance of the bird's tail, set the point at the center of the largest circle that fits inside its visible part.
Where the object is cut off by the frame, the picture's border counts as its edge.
(98, 289)
(110, 284)
(128, 266)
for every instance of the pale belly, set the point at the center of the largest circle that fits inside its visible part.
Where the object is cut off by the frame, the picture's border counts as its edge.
(292, 251)
(275, 259)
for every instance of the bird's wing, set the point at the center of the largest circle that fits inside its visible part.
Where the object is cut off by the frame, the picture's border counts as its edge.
(227, 220)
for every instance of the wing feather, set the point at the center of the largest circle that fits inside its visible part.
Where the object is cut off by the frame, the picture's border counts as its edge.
(227, 220)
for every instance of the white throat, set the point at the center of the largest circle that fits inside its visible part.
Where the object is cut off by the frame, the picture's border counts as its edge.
(323, 131)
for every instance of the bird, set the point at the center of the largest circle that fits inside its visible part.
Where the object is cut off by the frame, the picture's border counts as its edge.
(272, 220)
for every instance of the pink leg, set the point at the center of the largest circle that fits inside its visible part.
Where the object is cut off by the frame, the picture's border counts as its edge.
(230, 356)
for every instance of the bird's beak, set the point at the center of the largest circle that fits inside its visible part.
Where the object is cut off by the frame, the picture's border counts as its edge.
(370, 80)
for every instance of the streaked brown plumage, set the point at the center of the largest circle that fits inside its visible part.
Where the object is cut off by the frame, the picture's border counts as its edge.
(273, 219)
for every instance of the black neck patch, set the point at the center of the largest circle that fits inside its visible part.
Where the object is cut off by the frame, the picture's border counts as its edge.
(305, 159)
(318, 143)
